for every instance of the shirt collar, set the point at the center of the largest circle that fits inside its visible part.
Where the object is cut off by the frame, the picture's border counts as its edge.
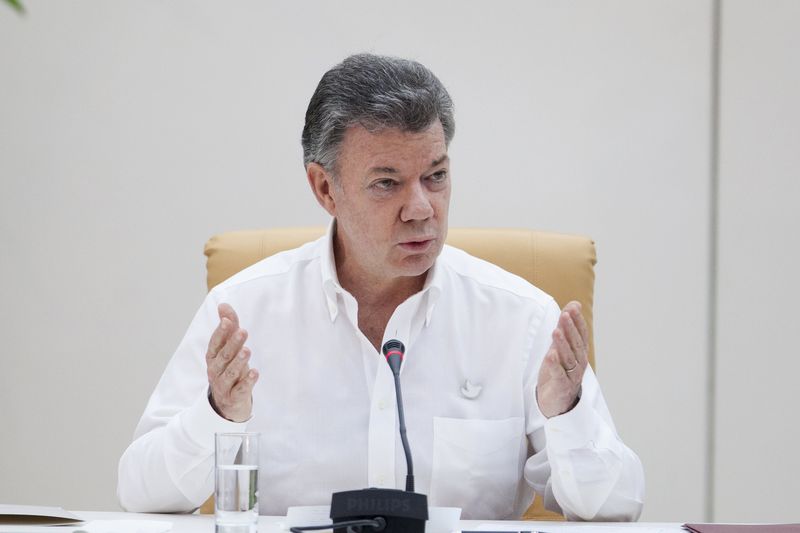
(431, 290)
(433, 287)
(330, 281)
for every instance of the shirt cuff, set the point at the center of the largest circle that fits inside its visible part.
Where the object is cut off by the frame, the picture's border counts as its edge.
(201, 422)
(573, 429)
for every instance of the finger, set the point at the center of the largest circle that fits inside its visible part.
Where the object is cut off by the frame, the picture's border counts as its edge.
(235, 370)
(218, 338)
(565, 355)
(551, 367)
(583, 329)
(244, 387)
(232, 346)
(226, 311)
(575, 310)
(573, 337)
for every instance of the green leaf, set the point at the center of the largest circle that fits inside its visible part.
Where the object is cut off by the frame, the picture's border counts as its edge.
(16, 5)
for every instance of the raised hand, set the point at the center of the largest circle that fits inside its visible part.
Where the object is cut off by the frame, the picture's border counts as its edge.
(562, 370)
(230, 379)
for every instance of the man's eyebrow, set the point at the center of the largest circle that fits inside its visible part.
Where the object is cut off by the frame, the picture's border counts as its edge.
(393, 171)
(382, 170)
(441, 160)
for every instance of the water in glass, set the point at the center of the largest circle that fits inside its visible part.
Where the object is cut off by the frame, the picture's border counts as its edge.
(237, 498)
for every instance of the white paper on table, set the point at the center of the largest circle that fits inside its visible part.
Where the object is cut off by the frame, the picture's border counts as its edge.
(35, 515)
(306, 515)
(125, 526)
(96, 526)
(37, 529)
(583, 528)
(440, 519)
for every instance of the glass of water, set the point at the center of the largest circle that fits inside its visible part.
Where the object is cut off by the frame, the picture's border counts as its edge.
(236, 488)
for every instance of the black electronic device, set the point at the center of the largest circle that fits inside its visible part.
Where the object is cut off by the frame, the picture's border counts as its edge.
(404, 512)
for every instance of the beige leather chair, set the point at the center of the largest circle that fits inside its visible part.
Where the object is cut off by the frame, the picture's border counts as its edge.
(561, 265)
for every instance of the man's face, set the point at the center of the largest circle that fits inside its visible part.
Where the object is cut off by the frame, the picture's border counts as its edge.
(391, 200)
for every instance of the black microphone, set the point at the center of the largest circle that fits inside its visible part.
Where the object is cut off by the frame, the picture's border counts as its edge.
(394, 351)
(389, 510)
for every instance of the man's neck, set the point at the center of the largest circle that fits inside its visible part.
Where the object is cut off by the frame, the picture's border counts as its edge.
(377, 301)
(377, 297)
(371, 292)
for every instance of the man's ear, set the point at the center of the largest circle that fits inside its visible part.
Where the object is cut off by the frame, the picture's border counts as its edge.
(322, 186)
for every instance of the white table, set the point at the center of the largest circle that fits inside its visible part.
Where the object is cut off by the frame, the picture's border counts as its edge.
(195, 523)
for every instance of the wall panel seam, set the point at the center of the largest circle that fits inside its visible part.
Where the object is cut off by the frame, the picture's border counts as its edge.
(713, 238)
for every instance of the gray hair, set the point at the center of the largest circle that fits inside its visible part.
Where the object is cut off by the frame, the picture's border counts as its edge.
(375, 92)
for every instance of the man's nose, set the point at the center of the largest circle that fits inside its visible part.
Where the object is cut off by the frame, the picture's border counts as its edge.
(417, 205)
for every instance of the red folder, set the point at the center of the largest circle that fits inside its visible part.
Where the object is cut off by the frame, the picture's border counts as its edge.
(742, 528)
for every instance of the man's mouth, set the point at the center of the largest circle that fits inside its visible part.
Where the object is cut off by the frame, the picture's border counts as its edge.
(417, 245)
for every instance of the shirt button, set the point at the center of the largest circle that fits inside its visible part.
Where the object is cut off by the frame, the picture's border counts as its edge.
(381, 480)
(382, 405)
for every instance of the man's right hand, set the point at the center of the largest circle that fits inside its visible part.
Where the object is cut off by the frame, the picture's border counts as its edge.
(230, 379)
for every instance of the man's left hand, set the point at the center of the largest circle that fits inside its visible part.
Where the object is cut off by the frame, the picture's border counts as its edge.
(562, 370)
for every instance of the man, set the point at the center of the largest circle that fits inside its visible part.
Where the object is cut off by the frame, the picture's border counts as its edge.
(500, 400)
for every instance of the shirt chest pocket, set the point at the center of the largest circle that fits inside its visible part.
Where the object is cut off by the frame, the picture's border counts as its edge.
(477, 465)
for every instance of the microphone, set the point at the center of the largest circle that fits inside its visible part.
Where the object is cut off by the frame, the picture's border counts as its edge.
(394, 350)
(388, 510)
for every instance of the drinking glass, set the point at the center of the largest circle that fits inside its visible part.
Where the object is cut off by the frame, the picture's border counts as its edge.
(236, 486)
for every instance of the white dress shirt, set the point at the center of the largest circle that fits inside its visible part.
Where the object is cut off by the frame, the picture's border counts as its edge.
(475, 337)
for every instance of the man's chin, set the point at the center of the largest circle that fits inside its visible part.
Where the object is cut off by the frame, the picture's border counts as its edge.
(416, 265)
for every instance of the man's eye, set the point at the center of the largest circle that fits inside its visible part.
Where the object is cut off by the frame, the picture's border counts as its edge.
(384, 185)
(439, 176)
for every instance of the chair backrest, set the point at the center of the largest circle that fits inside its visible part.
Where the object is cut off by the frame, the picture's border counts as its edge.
(561, 265)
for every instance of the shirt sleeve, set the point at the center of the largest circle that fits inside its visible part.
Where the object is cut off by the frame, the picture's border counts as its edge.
(580, 465)
(169, 467)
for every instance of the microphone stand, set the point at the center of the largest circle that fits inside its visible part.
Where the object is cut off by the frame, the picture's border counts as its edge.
(401, 511)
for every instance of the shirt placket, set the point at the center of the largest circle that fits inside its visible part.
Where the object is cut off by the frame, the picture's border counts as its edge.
(383, 428)
(382, 432)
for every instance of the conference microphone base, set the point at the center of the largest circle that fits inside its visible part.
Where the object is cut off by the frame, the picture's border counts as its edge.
(404, 512)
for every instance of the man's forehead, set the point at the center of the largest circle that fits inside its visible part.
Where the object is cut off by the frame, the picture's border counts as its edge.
(385, 148)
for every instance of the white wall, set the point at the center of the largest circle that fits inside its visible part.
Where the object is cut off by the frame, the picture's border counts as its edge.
(757, 462)
(132, 131)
